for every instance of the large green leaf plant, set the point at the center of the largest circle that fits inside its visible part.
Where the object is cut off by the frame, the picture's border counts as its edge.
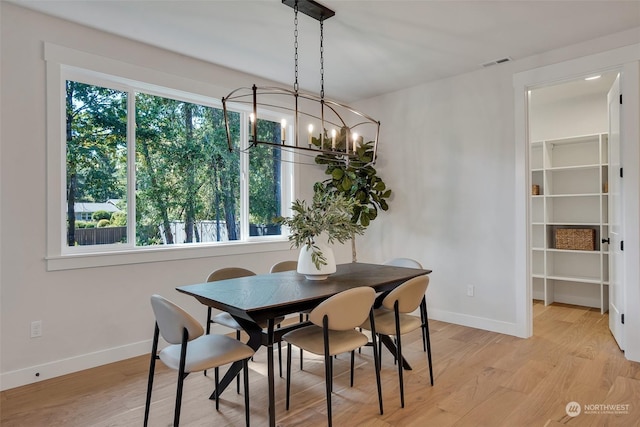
(356, 179)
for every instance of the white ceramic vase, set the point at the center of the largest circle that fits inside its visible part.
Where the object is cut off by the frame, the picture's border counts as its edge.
(308, 268)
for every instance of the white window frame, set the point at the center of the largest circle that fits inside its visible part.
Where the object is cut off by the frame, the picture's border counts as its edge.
(68, 64)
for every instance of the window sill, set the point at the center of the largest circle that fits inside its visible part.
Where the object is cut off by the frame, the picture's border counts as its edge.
(163, 253)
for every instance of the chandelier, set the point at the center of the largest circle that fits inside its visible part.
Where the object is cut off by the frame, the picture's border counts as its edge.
(320, 125)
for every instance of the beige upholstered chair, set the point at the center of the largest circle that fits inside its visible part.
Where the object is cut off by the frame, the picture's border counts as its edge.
(224, 318)
(334, 332)
(403, 262)
(189, 350)
(289, 266)
(392, 318)
(284, 266)
(412, 263)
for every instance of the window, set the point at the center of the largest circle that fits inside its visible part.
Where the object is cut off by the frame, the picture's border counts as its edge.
(145, 166)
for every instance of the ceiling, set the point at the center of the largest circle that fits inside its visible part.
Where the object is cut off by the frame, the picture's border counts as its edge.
(370, 47)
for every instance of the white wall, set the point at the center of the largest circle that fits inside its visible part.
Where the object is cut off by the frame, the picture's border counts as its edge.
(583, 115)
(447, 151)
(96, 315)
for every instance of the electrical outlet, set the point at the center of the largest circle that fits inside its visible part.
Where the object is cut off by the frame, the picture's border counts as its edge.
(36, 328)
(470, 290)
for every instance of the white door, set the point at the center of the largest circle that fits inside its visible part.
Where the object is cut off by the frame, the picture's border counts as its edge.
(616, 288)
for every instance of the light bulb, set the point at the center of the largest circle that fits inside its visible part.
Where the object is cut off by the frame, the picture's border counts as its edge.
(283, 132)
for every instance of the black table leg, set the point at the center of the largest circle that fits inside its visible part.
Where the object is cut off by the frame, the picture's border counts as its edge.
(388, 342)
(271, 374)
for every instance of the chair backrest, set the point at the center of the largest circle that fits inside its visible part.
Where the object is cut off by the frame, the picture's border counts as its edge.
(409, 295)
(172, 320)
(284, 266)
(403, 262)
(229, 273)
(346, 310)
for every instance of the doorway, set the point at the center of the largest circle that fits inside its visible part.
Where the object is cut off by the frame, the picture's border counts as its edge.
(568, 170)
(626, 59)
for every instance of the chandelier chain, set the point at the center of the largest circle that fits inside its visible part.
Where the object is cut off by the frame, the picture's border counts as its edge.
(321, 59)
(295, 45)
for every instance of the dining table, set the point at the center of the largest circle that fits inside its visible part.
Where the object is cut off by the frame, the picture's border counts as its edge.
(261, 298)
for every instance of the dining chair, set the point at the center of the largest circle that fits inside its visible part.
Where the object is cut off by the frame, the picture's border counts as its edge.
(224, 318)
(279, 267)
(393, 319)
(190, 350)
(412, 263)
(403, 262)
(291, 266)
(407, 263)
(333, 331)
(284, 266)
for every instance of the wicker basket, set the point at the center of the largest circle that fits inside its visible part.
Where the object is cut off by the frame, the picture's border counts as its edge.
(581, 239)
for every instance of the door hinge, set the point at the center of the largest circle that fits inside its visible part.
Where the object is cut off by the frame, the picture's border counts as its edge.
(621, 173)
(622, 318)
(622, 245)
(620, 98)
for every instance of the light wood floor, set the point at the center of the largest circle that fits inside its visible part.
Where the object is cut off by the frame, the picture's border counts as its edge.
(481, 379)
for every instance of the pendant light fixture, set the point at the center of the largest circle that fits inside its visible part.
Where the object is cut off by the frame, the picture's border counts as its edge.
(320, 125)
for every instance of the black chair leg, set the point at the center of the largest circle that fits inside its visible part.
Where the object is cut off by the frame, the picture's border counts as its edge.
(429, 356)
(302, 351)
(400, 373)
(238, 376)
(176, 416)
(376, 358)
(353, 356)
(208, 328)
(301, 358)
(245, 367)
(427, 339)
(424, 323)
(217, 380)
(328, 361)
(331, 374)
(395, 358)
(288, 374)
(399, 353)
(152, 370)
(181, 377)
(280, 357)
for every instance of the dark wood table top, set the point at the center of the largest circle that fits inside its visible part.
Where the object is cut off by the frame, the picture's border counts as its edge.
(266, 296)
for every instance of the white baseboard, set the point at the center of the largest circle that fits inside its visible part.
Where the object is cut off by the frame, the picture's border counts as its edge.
(492, 325)
(70, 365)
(57, 368)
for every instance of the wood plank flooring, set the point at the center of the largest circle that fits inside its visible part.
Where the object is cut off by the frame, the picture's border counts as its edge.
(481, 379)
